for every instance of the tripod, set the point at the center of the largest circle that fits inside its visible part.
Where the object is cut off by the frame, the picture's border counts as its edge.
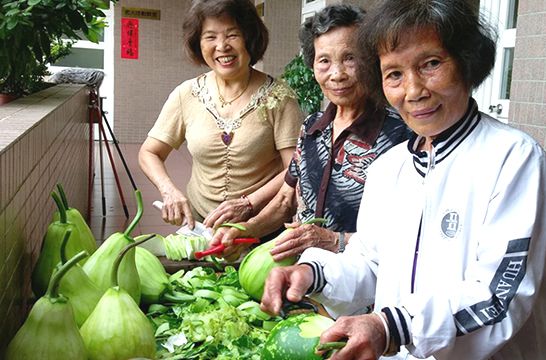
(98, 116)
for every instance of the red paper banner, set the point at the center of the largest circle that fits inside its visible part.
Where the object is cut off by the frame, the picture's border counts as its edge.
(129, 38)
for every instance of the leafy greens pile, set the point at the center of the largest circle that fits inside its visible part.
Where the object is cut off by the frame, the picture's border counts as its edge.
(219, 321)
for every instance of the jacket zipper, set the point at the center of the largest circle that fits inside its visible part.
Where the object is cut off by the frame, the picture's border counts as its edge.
(430, 167)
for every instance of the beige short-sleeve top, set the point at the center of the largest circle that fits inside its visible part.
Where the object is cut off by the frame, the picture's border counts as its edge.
(269, 123)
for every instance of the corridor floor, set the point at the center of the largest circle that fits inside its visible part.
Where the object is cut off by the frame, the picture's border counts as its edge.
(114, 220)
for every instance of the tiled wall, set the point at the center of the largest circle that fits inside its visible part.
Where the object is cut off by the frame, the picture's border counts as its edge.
(43, 141)
(142, 85)
(283, 19)
(528, 91)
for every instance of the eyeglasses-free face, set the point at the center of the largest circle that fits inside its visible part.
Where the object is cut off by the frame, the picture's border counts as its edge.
(423, 82)
(223, 48)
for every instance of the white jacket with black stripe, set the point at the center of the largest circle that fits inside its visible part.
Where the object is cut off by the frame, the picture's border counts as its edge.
(452, 243)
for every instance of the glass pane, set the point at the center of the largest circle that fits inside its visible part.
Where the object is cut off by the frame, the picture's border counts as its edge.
(86, 58)
(82, 36)
(512, 20)
(507, 64)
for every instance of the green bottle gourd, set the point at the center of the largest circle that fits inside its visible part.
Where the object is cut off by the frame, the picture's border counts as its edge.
(88, 241)
(154, 282)
(78, 288)
(50, 331)
(257, 264)
(99, 265)
(117, 329)
(50, 254)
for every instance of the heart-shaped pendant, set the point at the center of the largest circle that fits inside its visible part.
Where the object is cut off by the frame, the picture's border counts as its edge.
(227, 137)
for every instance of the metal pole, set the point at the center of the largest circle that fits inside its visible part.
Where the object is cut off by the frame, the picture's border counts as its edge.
(116, 144)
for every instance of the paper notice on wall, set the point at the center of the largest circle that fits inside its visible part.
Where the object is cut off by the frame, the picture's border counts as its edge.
(129, 38)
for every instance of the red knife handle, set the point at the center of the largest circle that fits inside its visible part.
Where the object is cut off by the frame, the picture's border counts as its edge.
(246, 241)
(218, 249)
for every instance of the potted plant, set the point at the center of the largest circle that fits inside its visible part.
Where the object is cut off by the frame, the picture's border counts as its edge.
(34, 33)
(302, 80)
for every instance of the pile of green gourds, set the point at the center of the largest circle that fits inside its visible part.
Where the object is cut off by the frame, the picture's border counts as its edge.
(90, 297)
(89, 306)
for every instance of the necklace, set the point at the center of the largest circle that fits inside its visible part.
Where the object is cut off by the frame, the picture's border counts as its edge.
(223, 101)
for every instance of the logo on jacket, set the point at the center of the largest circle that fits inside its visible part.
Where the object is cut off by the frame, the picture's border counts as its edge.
(450, 224)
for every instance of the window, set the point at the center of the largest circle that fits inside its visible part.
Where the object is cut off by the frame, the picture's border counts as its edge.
(507, 64)
(82, 57)
(512, 16)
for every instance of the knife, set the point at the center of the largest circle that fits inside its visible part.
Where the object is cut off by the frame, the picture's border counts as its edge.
(218, 249)
(199, 229)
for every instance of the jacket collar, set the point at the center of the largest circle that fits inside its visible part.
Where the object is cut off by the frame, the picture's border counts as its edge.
(367, 126)
(444, 143)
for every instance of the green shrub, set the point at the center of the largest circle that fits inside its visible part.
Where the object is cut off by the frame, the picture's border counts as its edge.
(302, 80)
(34, 33)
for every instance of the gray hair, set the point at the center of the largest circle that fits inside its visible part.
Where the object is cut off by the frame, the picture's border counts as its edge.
(466, 36)
(329, 18)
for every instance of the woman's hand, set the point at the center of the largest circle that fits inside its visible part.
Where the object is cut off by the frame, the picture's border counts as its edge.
(365, 334)
(294, 242)
(225, 236)
(176, 208)
(235, 210)
(293, 280)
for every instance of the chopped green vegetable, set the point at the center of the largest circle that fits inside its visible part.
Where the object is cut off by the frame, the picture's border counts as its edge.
(183, 247)
(221, 323)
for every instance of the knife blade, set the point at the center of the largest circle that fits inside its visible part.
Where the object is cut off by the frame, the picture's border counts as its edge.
(199, 229)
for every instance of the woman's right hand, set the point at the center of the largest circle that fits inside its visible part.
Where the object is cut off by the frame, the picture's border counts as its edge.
(176, 208)
(290, 282)
(225, 236)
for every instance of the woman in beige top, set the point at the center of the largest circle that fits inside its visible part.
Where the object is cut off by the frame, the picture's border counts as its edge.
(240, 125)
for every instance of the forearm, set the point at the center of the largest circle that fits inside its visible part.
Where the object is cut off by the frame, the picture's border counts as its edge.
(264, 195)
(278, 211)
(261, 197)
(155, 170)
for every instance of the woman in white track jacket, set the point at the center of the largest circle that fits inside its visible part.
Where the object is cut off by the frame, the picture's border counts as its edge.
(451, 233)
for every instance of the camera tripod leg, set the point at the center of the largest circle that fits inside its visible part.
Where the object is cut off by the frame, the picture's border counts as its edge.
(101, 164)
(116, 144)
(91, 169)
(109, 152)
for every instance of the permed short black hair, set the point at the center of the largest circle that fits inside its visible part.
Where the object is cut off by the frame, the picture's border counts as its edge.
(242, 11)
(329, 18)
(464, 34)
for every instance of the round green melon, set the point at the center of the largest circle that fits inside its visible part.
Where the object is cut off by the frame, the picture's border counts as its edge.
(256, 266)
(295, 338)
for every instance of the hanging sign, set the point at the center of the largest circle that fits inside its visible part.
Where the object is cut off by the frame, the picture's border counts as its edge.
(129, 38)
(141, 13)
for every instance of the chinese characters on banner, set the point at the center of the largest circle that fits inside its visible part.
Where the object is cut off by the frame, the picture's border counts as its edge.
(129, 38)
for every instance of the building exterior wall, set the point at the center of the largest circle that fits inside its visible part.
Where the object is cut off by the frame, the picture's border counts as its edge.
(142, 85)
(283, 22)
(44, 140)
(528, 90)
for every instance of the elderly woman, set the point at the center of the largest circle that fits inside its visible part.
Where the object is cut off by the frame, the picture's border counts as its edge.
(328, 171)
(455, 262)
(240, 125)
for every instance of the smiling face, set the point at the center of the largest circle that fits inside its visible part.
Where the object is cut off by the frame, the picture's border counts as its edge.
(223, 47)
(423, 82)
(335, 67)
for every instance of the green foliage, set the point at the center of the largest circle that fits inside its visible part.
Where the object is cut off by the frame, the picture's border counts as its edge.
(302, 80)
(34, 33)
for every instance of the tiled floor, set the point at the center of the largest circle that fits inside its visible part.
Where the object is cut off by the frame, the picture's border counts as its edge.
(178, 165)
